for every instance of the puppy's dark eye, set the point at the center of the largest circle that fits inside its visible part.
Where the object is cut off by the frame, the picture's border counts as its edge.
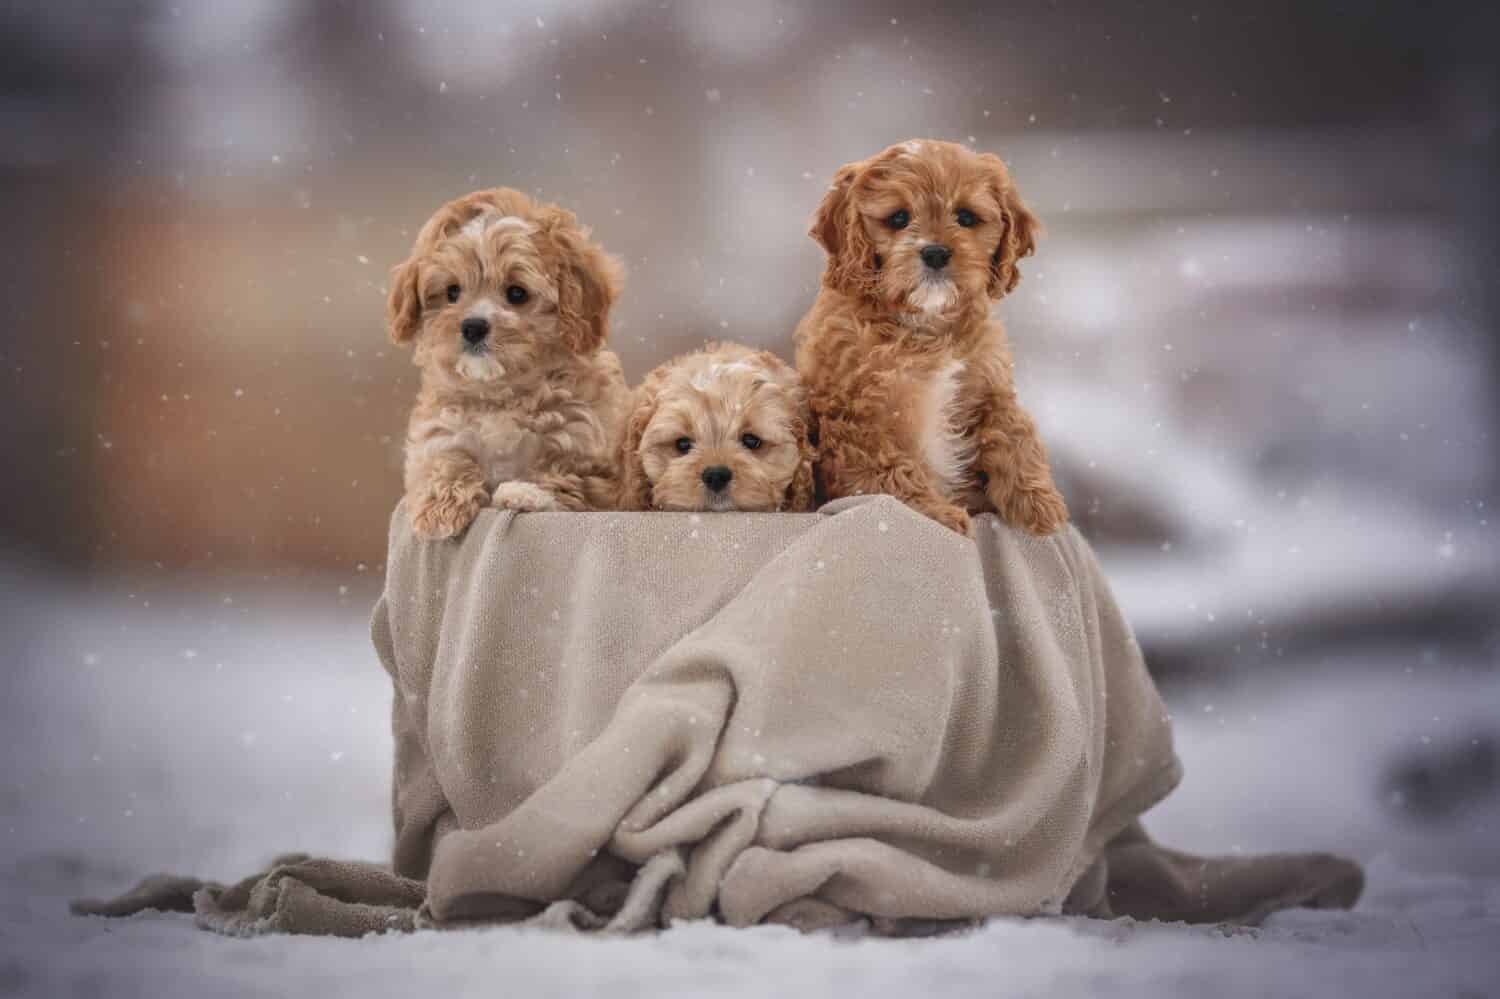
(453, 292)
(967, 219)
(516, 295)
(684, 444)
(899, 220)
(750, 441)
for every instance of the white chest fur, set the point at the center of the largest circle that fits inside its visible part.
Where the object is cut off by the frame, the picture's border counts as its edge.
(947, 452)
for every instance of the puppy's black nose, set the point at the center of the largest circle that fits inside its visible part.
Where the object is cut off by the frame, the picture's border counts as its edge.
(475, 330)
(936, 256)
(717, 477)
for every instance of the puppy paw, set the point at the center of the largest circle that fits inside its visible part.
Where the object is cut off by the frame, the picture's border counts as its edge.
(954, 518)
(1040, 511)
(446, 510)
(523, 497)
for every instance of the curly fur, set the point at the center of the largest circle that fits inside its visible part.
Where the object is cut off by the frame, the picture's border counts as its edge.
(525, 419)
(908, 377)
(712, 398)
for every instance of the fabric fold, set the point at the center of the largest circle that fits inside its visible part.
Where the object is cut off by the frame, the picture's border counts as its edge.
(606, 722)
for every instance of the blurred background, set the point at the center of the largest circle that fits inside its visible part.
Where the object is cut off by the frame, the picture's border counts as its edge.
(1261, 336)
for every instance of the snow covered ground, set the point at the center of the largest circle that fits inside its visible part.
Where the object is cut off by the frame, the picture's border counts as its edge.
(202, 725)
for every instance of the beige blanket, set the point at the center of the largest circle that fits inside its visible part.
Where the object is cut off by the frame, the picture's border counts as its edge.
(616, 720)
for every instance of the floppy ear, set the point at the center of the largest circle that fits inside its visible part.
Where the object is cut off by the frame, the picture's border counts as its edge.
(635, 486)
(587, 284)
(828, 221)
(403, 307)
(802, 494)
(839, 230)
(1021, 229)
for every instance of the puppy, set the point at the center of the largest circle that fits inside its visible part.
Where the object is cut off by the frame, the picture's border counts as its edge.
(908, 377)
(725, 428)
(507, 301)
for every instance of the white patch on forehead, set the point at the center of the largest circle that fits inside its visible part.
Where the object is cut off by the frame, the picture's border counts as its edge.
(480, 224)
(912, 146)
(703, 380)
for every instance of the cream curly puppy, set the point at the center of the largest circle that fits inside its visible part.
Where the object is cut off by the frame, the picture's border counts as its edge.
(724, 428)
(507, 301)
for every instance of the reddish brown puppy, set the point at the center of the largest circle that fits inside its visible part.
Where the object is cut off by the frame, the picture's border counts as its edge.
(908, 376)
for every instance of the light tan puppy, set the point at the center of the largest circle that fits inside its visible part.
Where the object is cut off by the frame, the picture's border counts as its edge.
(507, 301)
(908, 377)
(725, 428)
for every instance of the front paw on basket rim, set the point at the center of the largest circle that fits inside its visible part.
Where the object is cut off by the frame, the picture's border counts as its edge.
(954, 518)
(446, 513)
(523, 497)
(1038, 511)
